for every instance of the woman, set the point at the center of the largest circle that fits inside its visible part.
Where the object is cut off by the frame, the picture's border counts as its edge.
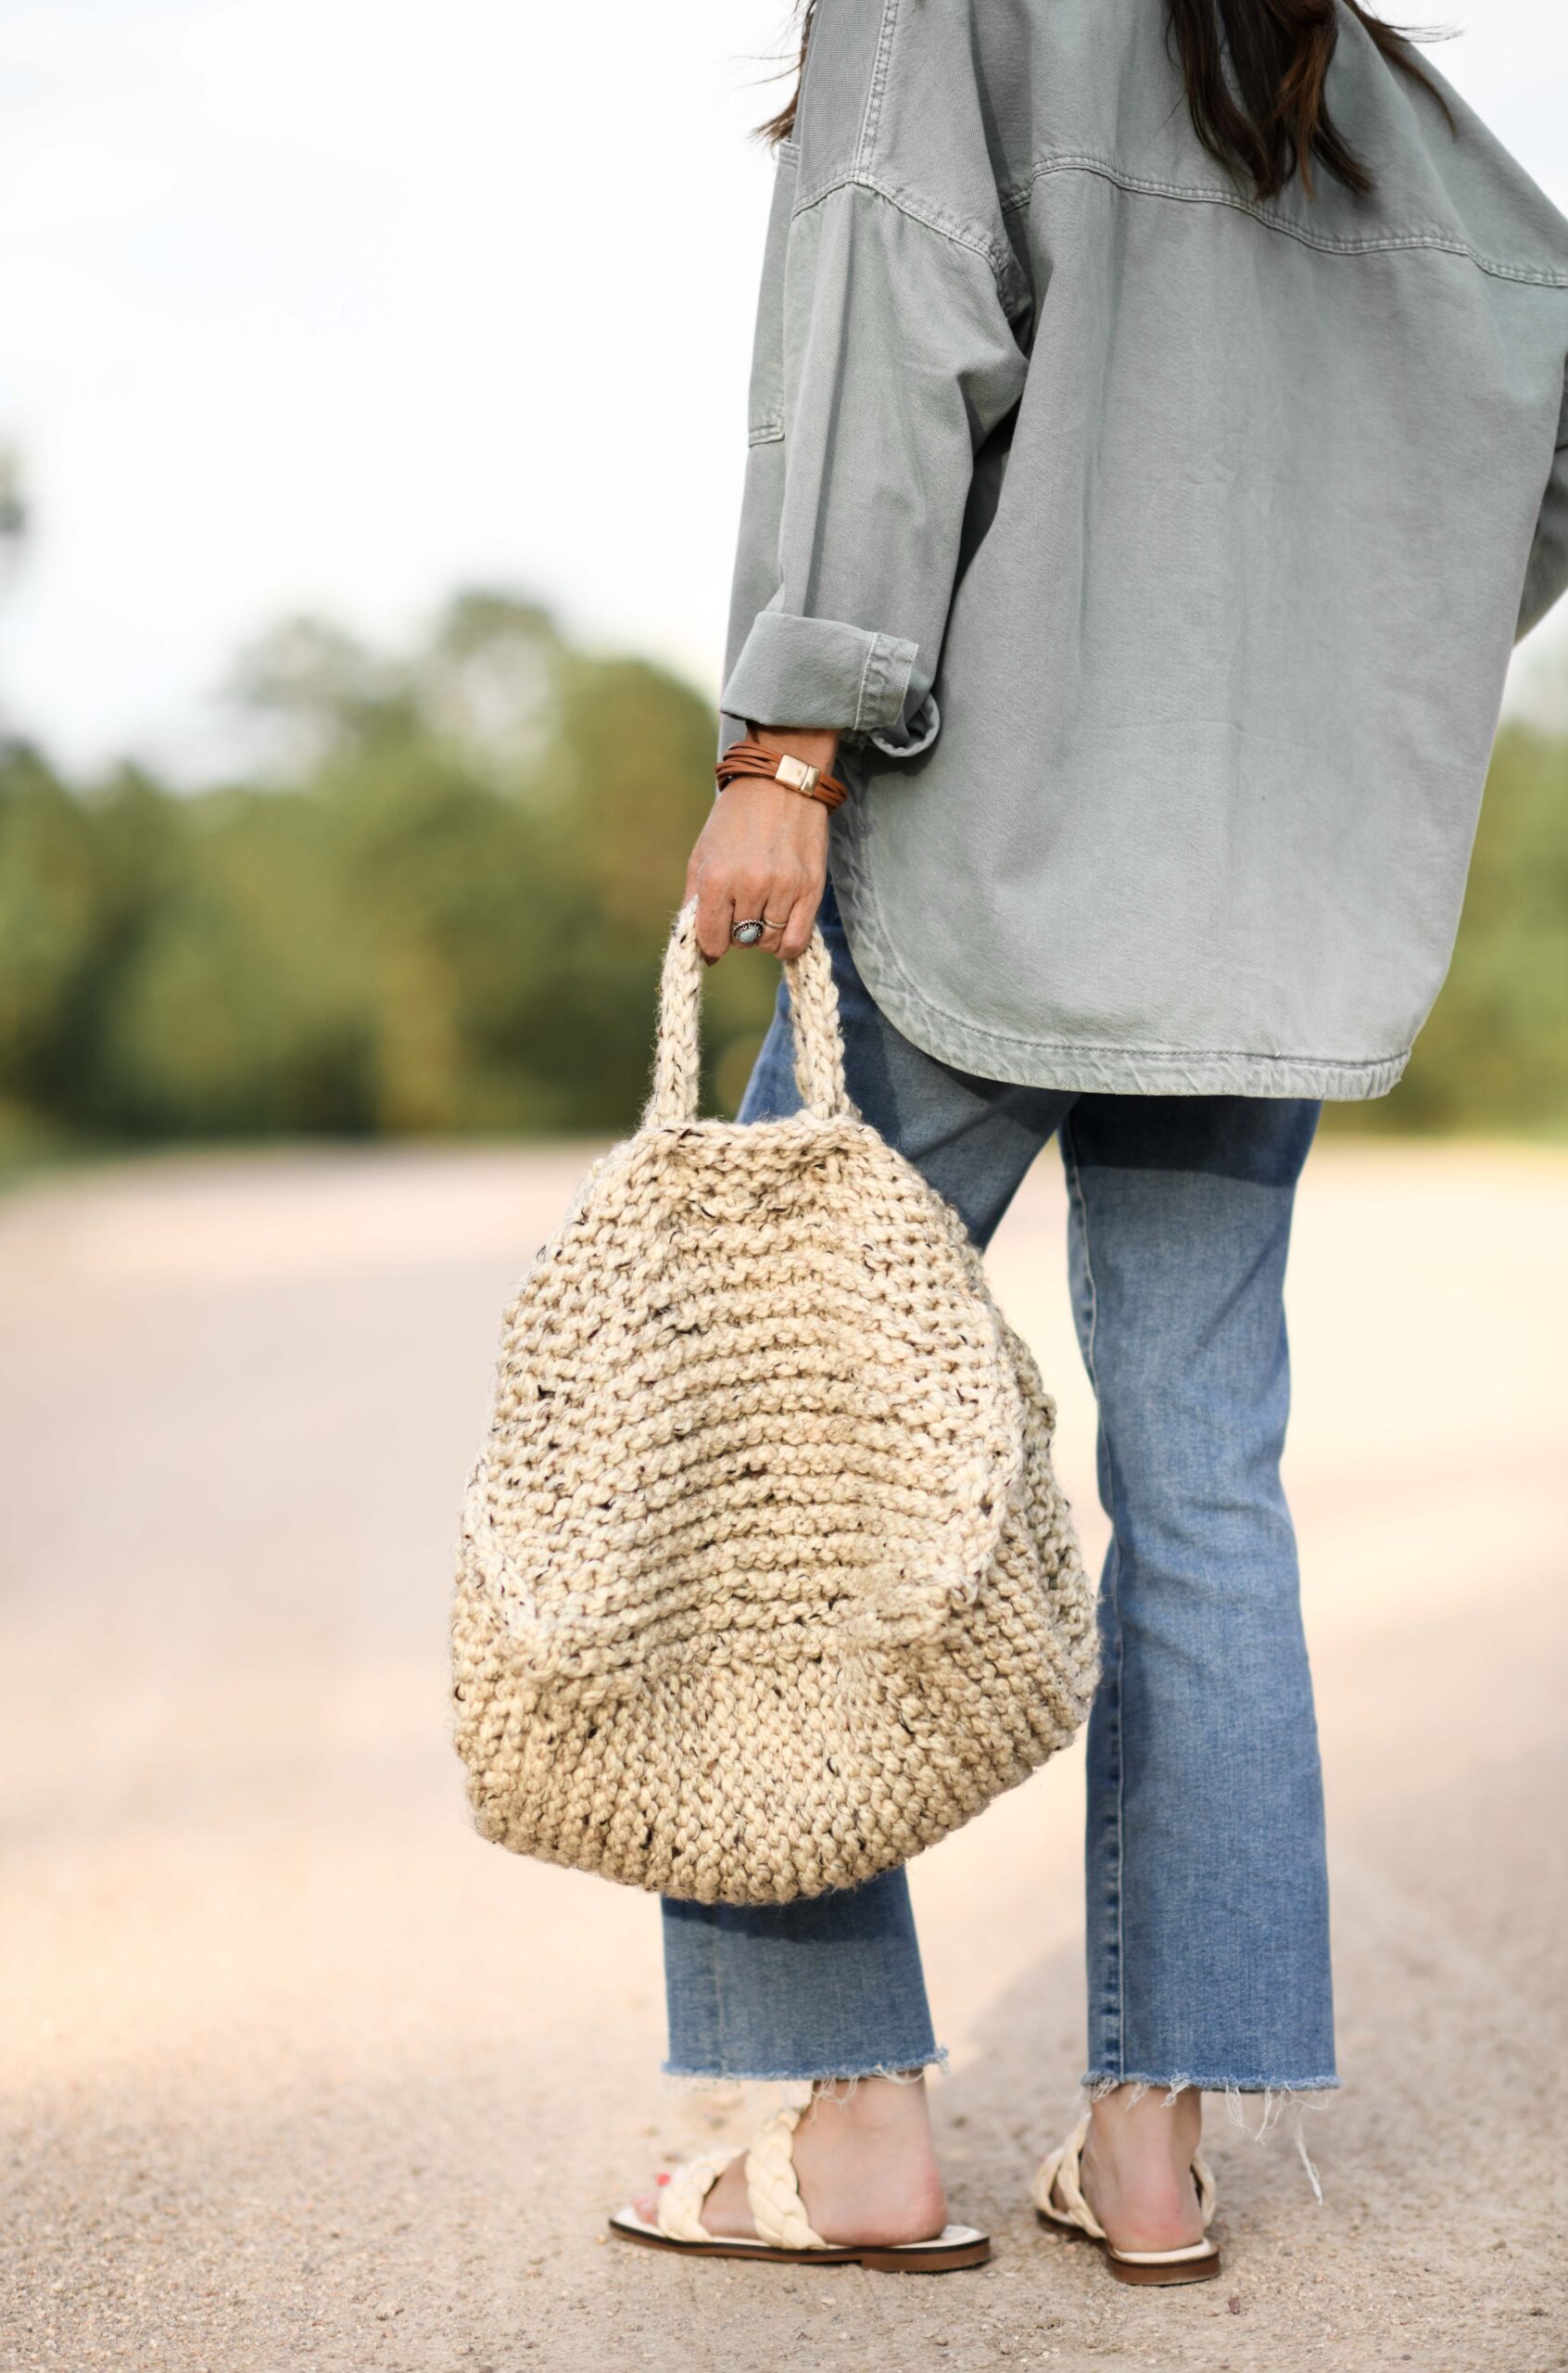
(1159, 439)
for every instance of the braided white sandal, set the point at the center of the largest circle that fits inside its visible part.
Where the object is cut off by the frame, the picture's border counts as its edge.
(1057, 2193)
(784, 2233)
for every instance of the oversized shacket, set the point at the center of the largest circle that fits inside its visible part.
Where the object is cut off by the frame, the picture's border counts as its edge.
(1158, 549)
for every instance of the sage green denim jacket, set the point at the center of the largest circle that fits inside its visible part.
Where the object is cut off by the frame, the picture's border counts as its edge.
(1161, 550)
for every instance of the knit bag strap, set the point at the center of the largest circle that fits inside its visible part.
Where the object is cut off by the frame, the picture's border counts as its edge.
(814, 1011)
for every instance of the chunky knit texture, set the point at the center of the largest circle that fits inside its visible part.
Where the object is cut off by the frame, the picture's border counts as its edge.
(766, 1580)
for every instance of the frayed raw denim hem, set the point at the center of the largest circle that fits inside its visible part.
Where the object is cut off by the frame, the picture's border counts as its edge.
(899, 2071)
(1277, 2099)
(1096, 2083)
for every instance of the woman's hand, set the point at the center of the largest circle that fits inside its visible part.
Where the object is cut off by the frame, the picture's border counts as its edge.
(761, 857)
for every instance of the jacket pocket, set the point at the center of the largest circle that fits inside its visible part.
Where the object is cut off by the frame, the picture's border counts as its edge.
(764, 407)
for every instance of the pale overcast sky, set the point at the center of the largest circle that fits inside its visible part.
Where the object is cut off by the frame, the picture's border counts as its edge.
(332, 305)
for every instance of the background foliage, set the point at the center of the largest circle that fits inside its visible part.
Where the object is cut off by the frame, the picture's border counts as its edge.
(444, 914)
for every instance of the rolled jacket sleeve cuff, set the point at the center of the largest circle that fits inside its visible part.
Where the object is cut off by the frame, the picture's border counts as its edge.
(817, 672)
(907, 740)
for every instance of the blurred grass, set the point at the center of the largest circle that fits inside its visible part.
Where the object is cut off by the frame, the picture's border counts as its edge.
(442, 912)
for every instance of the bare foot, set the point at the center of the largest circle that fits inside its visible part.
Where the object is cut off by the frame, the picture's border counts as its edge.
(864, 2163)
(1137, 2169)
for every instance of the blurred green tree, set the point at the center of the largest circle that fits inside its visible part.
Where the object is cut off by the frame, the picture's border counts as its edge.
(440, 906)
(1494, 1055)
(50, 913)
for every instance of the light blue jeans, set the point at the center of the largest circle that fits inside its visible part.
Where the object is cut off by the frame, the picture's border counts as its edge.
(1206, 1896)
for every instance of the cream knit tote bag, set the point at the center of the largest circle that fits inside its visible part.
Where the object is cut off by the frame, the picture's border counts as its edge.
(766, 1580)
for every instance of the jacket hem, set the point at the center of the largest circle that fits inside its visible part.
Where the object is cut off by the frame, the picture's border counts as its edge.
(1079, 1067)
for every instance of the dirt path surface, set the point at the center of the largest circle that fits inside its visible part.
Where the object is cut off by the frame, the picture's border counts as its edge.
(297, 2073)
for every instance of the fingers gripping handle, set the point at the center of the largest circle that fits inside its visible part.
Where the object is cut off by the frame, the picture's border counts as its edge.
(814, 1007)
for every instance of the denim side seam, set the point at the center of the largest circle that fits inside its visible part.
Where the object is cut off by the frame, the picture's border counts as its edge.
(1112, 1574)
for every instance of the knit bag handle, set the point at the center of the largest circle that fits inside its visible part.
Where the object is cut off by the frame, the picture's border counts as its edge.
(813, 1009)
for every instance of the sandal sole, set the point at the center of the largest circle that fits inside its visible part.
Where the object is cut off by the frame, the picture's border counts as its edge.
(875, 2261)
(1165, 2277)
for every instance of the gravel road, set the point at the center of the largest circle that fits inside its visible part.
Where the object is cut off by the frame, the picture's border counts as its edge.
(295, 2073)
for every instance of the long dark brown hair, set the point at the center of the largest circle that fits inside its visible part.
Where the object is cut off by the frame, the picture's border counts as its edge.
(1255, 72)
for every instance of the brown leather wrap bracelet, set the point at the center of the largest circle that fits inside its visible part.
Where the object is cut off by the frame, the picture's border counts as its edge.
(748, 758)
